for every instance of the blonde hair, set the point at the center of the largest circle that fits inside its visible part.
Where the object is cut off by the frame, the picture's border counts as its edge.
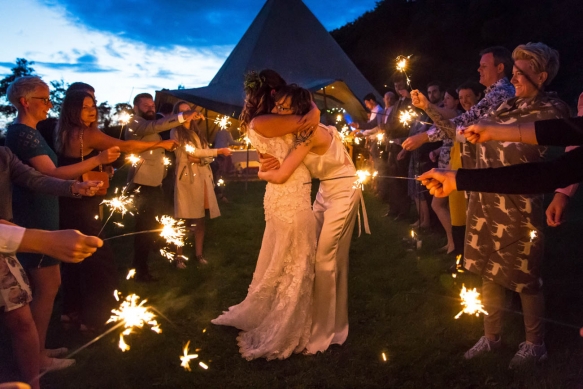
(541, 57)
(22, 87)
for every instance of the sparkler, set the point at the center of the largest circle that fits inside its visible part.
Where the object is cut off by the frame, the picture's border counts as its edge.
(133, 315)
(338, 118)
(533, 234)
(402, 64)
(167, 161)
(380, 137)
(384, 357)
(133, 159)
(471, 303)
(458, 267)
(118, 204)
(172, 230)
(220, 182)
(362, 177)
(124, 118)
(223, 122)
(189, 148)
(185, 358)
(405, 117)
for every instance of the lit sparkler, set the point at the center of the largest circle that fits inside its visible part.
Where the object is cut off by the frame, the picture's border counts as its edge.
(185, 358)
(362, 177)
(357, 140)
(123, 118)
(402, 64)
(471, 303)
(189, 148)
(533, 234)
(406, 117)
(339, 118)
(380, 137)
(133, 159)
(220, 182)
(120, 203)
(133, 315)
(458, 266)
(384, 357)
(203, 365)
(167, 161)
(223, 122)
(172, 230)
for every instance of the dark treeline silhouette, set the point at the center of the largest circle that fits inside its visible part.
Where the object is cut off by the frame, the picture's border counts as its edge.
(445, 37)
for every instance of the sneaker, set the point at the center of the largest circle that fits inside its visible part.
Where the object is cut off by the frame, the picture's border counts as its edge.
(483, 346)
(528, 353)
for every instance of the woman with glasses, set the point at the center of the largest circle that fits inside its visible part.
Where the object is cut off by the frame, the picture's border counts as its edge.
(88, 286)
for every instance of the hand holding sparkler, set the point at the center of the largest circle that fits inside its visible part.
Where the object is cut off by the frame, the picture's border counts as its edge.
(192, 115)
(362, 178)
(419, 100)
(109, 155)
(439, 182)
(224, 151)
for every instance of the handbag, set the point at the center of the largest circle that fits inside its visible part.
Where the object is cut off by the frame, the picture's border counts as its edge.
(93, 175)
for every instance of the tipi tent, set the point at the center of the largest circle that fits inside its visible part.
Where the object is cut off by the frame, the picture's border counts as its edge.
(286, 37)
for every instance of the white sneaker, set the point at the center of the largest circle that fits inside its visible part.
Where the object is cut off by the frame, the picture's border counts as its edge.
(528, 353)
(483, 346)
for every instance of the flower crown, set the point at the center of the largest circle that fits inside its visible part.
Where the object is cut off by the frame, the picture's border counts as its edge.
(253, 81)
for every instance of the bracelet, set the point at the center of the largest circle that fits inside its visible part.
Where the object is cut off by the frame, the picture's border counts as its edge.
(76, 195)
(519, 133)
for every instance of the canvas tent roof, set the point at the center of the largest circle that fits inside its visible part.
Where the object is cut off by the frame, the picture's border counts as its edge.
(286, 37)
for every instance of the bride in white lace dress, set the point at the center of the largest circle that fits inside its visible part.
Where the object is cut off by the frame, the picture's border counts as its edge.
(276, 317)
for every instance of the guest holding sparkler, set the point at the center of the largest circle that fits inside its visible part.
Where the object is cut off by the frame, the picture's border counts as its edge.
(194, 193)
(497, 241)
(148, 176)
(30, 96)
(88, 286)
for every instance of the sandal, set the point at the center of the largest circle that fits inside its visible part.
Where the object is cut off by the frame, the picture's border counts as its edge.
(201, 260)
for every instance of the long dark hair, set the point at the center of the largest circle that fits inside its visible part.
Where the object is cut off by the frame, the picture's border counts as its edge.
(70, 119)
(301, 99)
(258, 94)
(183, 134)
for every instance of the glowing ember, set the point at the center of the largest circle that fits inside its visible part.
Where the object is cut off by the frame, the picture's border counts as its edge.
(131, 274)
(223, 122)
(357, 141)
(362, 177)
(384, 357)
(533, 235)
(118, 224)
(133, 159)
(167, 161)
(402, 64)
(172, 230)
(338, 118)
(374, 174)
(133, 315)
(96, 217)
(220, 182)
(203, 365)
(185, 358)
(380, 137)
(412, 234)
(123, 346)
(471, 303)
(405, 117)
(247, 141)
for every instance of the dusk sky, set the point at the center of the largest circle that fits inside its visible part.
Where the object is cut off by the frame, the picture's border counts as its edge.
(125, 47)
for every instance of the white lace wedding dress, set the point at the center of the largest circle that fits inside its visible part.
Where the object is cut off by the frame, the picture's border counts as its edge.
(276, 314)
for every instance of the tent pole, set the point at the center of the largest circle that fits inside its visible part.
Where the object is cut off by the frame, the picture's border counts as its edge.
(327, 121)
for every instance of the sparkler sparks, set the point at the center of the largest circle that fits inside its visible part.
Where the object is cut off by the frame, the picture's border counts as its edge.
(533, 234)
(131, 274)
(380, 137)
(133, 159)
(185, 358)
(172, 230)
(384, 357)
(220, 182)
(124, 118)
(471, 303)
(405, 117)
(189, 148)
(203, 365)
(120, 203)
(167, 161)
(362, 177)
(133, 315)
(402, 64)
(223, 122)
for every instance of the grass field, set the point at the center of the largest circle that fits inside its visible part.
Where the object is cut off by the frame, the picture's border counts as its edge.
(402, 303)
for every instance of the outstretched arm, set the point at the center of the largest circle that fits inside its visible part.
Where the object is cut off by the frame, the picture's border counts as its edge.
(96, 139)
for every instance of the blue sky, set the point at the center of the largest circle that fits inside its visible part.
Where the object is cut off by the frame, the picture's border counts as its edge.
(125, 47)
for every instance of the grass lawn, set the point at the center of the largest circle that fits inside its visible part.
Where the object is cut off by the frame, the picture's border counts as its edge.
(401, 304)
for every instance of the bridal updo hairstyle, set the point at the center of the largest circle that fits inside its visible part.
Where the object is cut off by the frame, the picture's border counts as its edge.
(259, 91)
(301, 99)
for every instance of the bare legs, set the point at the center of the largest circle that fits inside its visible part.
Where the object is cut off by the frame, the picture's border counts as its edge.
(45, 281)
(423, 211)
(24, 343)
(441, 208)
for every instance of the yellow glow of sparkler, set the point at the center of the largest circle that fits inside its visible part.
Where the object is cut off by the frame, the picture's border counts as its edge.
(471, 303)
(247, 141)
(123, 346)
(533, 235)
(362, 177)
(131, 274)
(220, 182)
(412, 234)
(118, 224)
(223, 122)
(133, 159)
(338, 118)
(189, 148)
(172, 230)
(384, 357)
(96, 217)
(124, 117)
(119, 204)
(405, 117)
(203, 365)
(167, 161)
(185, 358)
(380, 137)
(357, 140)
(402, 63)
(133, 315)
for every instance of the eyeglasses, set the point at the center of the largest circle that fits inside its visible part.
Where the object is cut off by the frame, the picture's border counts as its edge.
(45, 100)
(281, 108)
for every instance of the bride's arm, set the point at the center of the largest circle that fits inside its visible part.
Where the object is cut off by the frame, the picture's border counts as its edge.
(289, 165)
(273, 125)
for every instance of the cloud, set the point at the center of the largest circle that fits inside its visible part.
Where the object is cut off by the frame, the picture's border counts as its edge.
(191, 23)
(78, 67)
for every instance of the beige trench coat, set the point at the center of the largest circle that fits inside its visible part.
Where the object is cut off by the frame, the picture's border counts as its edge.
(192, 179)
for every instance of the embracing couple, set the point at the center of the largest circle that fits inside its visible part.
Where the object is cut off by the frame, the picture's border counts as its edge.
(297, 300)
